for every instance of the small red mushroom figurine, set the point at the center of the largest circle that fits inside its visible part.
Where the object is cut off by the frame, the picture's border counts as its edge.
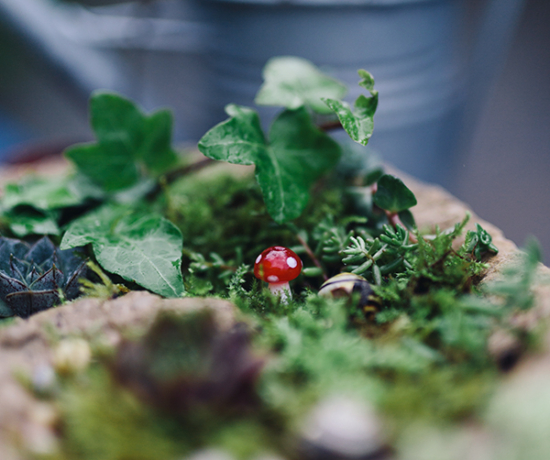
(278, 265)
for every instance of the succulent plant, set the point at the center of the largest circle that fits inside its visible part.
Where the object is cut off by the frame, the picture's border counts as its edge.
(37, 277)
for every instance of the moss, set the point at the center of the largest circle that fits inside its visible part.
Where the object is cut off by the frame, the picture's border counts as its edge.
(103, 420)
(422, 355)
(442, 395)
(196, 203)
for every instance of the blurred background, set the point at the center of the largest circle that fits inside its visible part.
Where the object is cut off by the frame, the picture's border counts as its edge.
(464, 94)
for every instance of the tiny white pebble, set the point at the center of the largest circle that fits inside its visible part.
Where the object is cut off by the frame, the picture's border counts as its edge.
(258, 259)
(291, 262)
(272, 278)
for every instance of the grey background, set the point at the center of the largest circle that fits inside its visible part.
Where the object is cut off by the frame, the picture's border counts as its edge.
(505, 174)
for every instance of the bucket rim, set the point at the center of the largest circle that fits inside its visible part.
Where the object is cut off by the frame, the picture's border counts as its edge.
(326, 3)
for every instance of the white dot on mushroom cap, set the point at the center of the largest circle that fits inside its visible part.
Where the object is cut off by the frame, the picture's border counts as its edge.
(272, 278)
(258, 259)
(291, 262)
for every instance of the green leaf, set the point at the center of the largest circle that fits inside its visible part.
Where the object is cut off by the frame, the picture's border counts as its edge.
(367, 80)
(293, 82)
(109, 165)
(372, 176)
(359, 122)
(42, 193)
(393, 195)
(24, 222)
(127, 140)
(239, 140)
(156, 149)
(296, 156)
(358, 127)
(478, 242)
(116, 119)
(141, 247)
(407, 219)
(370, 104)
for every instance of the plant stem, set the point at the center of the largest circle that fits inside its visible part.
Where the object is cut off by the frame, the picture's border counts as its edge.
(394, 220)
(175, 174)
(330, 125)
(187, 169)
(311, 255)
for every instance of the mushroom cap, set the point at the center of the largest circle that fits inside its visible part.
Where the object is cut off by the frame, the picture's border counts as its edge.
(277, 264)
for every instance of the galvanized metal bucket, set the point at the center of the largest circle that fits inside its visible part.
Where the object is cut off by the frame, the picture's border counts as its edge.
(414, 49)
(196, 56)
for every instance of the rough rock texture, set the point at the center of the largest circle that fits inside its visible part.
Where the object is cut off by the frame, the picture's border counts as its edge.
(25, 346)
(25, 349)
(438, 207)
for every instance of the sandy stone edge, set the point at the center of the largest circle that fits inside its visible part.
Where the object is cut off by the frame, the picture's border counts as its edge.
(26, 348)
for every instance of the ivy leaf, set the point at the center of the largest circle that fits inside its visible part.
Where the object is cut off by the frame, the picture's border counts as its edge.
(30, 206)
(296, 155)
(367, 80)
(108, 165)
(141, 247)
(156, 150)
(42, 193)
(293, 82)
(359, 122)
(26, 221)
(239, 140)
(127, 140)
(393, 195)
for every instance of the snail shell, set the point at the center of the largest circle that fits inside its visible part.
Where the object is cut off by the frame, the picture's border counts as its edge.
(346, 284)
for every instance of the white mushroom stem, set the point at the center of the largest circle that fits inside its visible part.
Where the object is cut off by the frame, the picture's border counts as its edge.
(281, 290)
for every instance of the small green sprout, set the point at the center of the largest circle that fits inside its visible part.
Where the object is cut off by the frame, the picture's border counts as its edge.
(479, 242)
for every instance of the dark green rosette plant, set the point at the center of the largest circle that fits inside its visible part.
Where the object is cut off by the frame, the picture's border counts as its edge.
(38, 277)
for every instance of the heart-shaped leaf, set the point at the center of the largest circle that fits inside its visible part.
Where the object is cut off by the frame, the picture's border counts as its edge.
(126, 140)
(41, 193)
(27, 221)
(141, 247)
(359, 122)
(239, 140)
(393, 195)
(293, 82)
(296, 156)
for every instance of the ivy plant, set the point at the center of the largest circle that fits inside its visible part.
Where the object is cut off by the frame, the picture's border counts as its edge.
(294, 82)
(296, 155)
(359, 122)
(142, 247)
(127, 142)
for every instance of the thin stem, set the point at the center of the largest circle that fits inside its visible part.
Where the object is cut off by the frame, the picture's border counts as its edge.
(187, 169)
(175, 174)
(393, 219)
(330, 125)
(311, 255)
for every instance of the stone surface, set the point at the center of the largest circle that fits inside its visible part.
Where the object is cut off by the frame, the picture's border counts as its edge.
(26, 350)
